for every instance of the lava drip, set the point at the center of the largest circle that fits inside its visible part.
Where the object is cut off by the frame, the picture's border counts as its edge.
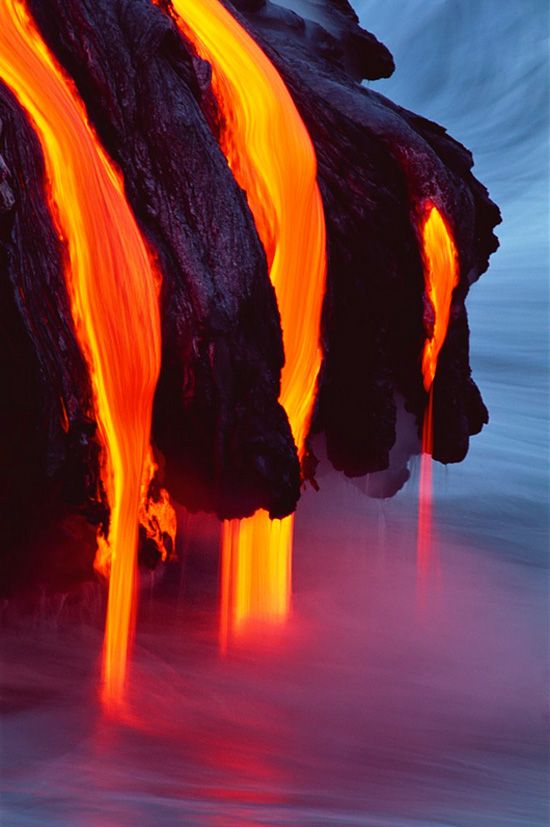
(424, 531)
(113, 290)
(441, 275)
(272, 157)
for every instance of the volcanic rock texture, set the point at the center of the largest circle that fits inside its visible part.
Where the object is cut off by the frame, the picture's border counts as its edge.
(223, 440)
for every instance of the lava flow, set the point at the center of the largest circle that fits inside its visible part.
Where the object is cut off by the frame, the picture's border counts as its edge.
(441, 276)
(114, 300)
(273, 159)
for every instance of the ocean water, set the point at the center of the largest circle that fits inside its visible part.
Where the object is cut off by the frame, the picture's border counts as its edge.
(480, 68)
(394, 697)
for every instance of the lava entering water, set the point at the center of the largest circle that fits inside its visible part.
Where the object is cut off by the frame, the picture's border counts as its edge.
(272, 157)
(441, 276)
(114, 300)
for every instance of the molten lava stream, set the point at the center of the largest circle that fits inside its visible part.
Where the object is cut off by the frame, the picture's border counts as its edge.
(441, 275)
(114, 299)
(272, 157)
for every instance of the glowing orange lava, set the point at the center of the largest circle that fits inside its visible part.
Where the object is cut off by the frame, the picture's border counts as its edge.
(441, 275)
(272, 157)
(440, 278)
(156, 513)
(114, 300)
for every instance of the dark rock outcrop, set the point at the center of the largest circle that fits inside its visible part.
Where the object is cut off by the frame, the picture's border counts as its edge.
(378, 166)
(49, 454)
(330, 31)
(226, 440)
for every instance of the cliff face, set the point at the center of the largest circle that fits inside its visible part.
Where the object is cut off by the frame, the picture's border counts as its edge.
(224, 438)
(378, 166)
(49, 455)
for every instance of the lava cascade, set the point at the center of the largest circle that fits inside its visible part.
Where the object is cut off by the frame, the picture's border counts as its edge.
(113, 290)
(273, 159)
(441, 275)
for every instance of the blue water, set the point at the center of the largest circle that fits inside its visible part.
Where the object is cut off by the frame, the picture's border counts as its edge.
(480, 68)
(394, 698)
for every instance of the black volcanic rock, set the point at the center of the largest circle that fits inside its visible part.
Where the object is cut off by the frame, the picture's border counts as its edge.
(48, 449)
(328, 28)
(378, 167)
(226, 440)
